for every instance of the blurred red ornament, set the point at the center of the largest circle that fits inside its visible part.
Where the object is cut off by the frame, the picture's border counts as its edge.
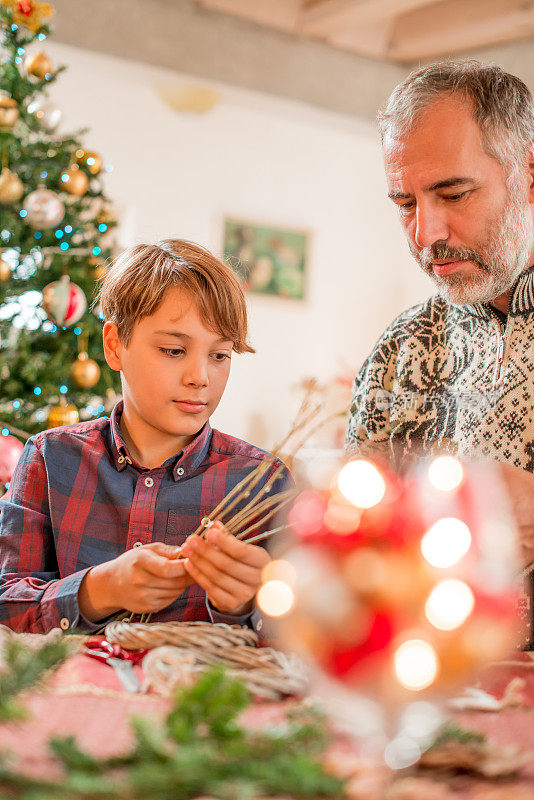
(64, 302)
(10, 450)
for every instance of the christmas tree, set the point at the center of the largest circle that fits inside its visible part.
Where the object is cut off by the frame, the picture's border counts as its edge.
(55, 223)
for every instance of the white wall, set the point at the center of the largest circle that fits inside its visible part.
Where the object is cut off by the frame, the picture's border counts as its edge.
(263, 159)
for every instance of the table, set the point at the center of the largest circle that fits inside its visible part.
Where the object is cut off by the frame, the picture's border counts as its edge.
(84, 698)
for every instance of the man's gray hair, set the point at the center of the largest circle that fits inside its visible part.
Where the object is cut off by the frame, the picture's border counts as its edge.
(502, 106)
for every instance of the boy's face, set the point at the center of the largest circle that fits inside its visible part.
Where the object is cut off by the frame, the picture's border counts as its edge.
(174, 370)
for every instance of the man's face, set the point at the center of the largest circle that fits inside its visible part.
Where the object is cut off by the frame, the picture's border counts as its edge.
(174, 371)
(469, 231)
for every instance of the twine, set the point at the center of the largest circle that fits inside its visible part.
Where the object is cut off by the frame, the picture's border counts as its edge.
(181, 650)
(206, 635)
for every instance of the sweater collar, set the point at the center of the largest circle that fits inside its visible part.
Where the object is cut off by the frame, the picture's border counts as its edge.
(521, 298)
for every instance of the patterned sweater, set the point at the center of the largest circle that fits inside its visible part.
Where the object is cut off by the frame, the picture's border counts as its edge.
(455, 377)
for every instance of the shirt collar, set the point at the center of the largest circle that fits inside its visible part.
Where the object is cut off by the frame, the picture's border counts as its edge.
(186, 461)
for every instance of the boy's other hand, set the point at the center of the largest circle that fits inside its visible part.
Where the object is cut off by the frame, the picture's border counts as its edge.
(142, 580)
(228, 570)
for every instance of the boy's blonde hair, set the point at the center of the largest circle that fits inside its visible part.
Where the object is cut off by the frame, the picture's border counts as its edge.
(139, 278)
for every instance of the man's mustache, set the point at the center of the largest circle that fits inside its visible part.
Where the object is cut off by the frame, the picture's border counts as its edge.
(441, 251)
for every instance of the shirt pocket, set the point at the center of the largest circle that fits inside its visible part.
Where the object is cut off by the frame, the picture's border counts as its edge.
(180, 525)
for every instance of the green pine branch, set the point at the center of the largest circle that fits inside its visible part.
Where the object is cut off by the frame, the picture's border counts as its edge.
(22, 668)
(200, 749)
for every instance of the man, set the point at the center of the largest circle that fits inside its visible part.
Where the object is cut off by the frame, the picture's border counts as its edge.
(456, 372)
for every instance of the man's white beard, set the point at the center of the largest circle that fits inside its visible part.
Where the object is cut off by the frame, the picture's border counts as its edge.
(499, 260)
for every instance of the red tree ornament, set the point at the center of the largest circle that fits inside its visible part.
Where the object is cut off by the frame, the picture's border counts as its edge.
(10, 450)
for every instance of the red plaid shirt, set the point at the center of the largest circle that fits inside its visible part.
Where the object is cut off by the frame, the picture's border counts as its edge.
(77, 499)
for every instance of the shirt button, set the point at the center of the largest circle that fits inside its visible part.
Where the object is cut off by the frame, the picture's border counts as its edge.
(149, 482)
(120, 459)
(64, 624)
(137, 544)
(180, 471)
(259, 625)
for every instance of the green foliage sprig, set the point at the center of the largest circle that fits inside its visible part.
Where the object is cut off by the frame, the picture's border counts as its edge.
(200, 749)
(22, 668)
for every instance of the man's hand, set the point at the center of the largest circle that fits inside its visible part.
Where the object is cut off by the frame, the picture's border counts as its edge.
(143, 580)
(228, 570)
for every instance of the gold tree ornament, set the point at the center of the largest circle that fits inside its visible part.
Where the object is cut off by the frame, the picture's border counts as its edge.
(85, 372)
(38, 65)
(62, 414)
(11, 187)
(9, 112)
(74, 181)
(30, 14)
(5, 270)
(91, 161)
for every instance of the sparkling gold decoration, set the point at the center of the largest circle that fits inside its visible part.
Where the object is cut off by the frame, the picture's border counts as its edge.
(100, 268)
(11, 188)
(31, 14)
(89, 160)
(9, 111)
(106, 216)
(85, 372)
(74, 181)
(38, 64)
(62, 414)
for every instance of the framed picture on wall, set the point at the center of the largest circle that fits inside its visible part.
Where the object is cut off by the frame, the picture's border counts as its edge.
(267, 260)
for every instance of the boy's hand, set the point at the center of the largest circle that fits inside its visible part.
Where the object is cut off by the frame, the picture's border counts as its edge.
(228, 570)
(144, 579)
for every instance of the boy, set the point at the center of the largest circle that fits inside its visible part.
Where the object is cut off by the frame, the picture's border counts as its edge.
(97, 512)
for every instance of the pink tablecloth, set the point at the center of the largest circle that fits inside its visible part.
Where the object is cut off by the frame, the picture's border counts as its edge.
(84, 698)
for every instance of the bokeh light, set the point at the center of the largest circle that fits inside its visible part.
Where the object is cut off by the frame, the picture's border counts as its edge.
(445, 473)
(279, 570)
(275, 598)
(449, 604)
(446, 542)
(416, 664)
(402, 752)
(361, 483)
